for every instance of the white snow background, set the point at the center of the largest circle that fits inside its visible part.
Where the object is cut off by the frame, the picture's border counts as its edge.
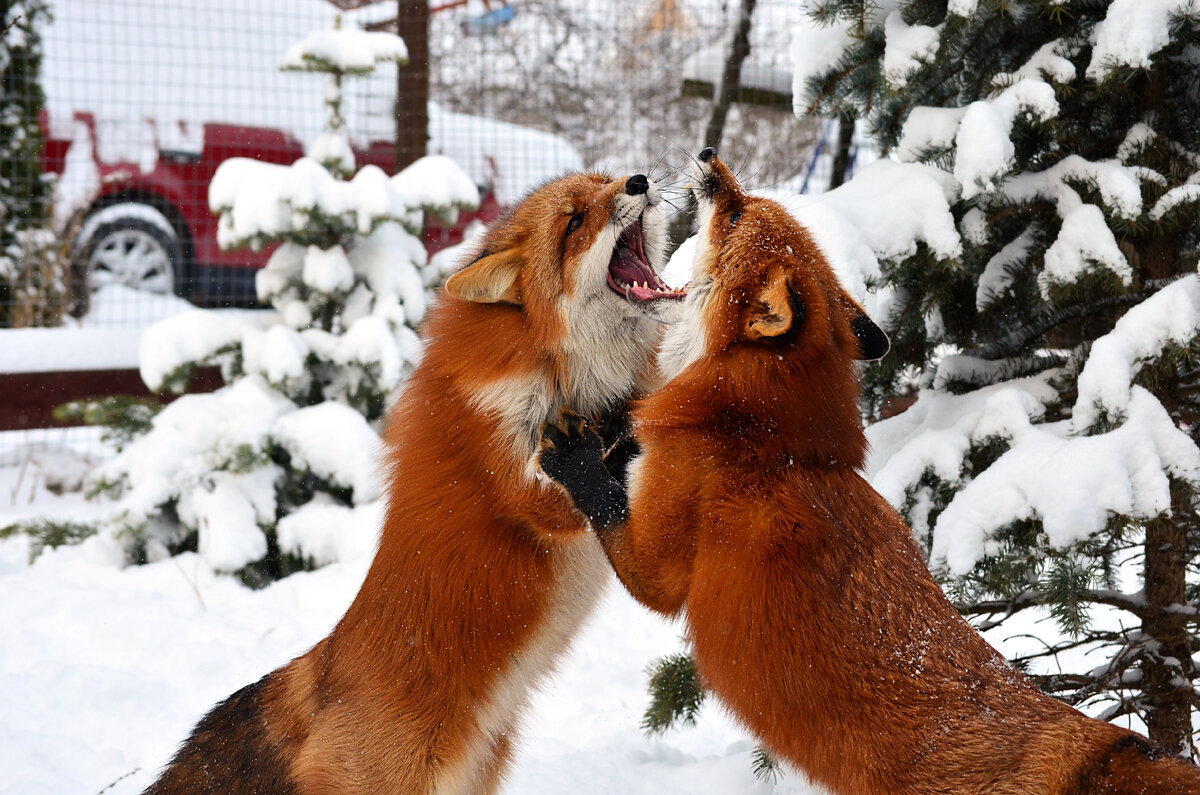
(104, 670)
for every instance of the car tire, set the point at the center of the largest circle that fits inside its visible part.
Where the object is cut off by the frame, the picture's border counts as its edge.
(130, 244)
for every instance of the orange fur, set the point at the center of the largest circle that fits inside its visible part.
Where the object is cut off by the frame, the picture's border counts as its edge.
(811, 612)
(483, 572)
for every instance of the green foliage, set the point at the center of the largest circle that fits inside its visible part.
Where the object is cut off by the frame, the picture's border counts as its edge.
(766, 767)
(31, 268)
(276, 565)
(48, 533)
(676, 694)
(124, 417)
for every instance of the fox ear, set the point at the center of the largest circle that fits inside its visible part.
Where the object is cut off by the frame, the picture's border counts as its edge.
(773, 312)
(491, 279)
(872, 339)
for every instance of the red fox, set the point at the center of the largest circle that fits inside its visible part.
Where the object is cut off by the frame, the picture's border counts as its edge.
(812, 615)
(484, 572)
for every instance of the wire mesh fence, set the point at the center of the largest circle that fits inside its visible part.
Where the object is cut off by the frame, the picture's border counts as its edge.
(129, 106)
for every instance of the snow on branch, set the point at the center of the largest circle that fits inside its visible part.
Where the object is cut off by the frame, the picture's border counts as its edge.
(937, 432)
(346, 50)
(175, 463)
(907, 47)
(335, 443)
(983, 144)
(323, 532)
(1170, 316)
(1073, 485)
(813, 49)
(895, 206)
(1085, 241)
(184, 339)
(1118, 188)
(981, 133)
(261, 202)
(999, 272)
(1175, 197)
(436, 183)
(1132, 32)
(883, 214)
(1048, 64)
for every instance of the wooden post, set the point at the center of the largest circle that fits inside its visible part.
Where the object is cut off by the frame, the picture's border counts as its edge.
(412, 83)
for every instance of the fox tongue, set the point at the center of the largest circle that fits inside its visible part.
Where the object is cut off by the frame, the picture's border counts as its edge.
(630, 274)
(628, 268)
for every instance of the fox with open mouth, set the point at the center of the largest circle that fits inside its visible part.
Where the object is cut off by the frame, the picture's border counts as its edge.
(484, 572)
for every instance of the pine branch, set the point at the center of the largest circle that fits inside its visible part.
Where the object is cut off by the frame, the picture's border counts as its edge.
(1130, 603)
(675, 694)
(1018, 340)
(766, 767)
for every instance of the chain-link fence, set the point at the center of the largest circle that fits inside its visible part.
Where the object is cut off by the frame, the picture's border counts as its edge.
(121, 111)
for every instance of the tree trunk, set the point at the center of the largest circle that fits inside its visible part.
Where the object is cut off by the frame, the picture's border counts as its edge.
(731, 77)
(1169, 719)
(412, 82)
(841, 155)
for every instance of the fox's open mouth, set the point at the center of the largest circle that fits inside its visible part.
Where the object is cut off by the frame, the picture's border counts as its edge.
(630, 274)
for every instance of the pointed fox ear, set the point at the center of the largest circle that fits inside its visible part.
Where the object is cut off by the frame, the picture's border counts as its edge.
(491, 279)
(871, 338)
(774, 310)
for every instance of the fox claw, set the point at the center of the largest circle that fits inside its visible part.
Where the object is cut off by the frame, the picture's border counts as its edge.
(567, 445)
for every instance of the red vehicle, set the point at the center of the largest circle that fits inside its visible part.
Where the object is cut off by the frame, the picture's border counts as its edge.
(153, 230)
(145, 99)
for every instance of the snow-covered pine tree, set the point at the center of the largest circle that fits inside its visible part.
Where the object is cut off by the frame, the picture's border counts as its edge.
(1051, 457)
(31, 267)
(1034, 259)
(277, 470)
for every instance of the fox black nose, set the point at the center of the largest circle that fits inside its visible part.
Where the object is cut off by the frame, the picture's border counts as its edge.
(637, 185)
(707, 153)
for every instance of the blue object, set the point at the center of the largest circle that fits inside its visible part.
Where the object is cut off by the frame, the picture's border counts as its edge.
(490, 21)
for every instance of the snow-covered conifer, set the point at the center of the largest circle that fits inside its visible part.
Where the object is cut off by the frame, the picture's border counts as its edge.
(1051, 457)
(277, 469)
(31, 266)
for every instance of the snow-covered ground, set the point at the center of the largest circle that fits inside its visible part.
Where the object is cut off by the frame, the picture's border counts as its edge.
(104, 670)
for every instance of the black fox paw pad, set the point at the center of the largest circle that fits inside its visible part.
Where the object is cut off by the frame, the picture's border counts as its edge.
(566, 443)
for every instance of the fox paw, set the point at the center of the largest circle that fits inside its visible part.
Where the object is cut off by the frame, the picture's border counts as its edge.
(570, 451)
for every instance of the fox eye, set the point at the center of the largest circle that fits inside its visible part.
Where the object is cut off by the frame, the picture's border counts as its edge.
(734, 217)
(575, 222)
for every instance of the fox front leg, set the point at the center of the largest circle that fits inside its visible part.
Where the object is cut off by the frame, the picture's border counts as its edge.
(572, 454)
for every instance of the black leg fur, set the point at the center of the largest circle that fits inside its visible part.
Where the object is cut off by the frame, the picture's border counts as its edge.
(228, 752)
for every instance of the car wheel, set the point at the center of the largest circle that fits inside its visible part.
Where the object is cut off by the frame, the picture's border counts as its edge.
(128, 244)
